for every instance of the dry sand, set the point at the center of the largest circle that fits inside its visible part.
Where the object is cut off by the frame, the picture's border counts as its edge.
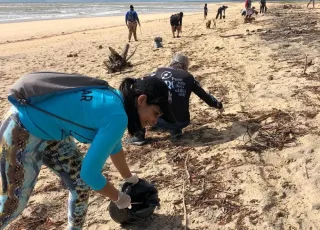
(230, 186)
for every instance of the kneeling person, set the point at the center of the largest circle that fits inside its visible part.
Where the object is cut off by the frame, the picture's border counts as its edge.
(180, 84)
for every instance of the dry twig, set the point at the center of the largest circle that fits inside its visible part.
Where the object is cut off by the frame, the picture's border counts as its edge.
(305, 65)
(186, 168)
(274, 130)
(184, 206)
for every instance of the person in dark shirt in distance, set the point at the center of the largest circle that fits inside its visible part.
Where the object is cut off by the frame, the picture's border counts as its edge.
(176, 24)
(205, 9)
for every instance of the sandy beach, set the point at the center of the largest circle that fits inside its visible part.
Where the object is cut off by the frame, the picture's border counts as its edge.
(257, 166)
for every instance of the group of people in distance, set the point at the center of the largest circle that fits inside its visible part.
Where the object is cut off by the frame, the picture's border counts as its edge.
(248, 11)
(132, 21)
(221, 10)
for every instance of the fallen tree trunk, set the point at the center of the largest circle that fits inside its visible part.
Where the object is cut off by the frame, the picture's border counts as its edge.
(116, 61)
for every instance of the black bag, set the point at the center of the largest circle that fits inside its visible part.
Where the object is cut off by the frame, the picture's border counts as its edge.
(144, 197)
(36, 87)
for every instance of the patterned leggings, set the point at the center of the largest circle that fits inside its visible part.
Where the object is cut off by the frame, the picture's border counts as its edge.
(21, 157)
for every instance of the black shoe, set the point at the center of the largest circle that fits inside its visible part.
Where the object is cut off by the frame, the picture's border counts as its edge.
(176, 133)
(136, 141)
(153, 128)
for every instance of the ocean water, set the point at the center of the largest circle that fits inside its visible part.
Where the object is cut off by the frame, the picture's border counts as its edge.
(17, 12)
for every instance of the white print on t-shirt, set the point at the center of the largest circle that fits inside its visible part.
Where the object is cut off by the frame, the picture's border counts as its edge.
(175, 84)
(166, 75)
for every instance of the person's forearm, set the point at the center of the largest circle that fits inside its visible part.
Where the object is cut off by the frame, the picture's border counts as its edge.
(109, 191)
(119, 161)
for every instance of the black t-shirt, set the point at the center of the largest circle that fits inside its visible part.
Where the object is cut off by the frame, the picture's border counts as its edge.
(205, 10)
(176, 19)
(181, 84)
(222, 8)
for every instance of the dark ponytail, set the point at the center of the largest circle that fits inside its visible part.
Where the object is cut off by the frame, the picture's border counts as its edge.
(129, 94)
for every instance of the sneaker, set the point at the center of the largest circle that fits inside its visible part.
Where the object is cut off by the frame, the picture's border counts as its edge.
(136, 141)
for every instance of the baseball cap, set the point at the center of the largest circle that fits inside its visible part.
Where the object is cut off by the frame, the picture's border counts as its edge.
(157, 93)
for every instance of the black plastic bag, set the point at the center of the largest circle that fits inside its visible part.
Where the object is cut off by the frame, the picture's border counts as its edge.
(144, 199)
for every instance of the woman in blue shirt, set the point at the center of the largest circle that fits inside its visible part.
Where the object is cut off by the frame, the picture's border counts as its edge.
(30, 138)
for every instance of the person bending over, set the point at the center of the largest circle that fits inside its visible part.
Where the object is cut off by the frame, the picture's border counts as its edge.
(221, 10)
(181, 84)
(44, 133)
(176, 24)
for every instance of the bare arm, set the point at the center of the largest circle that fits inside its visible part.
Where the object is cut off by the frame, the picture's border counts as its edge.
(110, 191)
(119, 161)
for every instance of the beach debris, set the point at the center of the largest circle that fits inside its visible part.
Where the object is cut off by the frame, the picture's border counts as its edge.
(274, 130)
(270, 78)
(117, 62)
(72, 55)
(249, 20)
(231, 35)
(218, 48)
(208, 24)
(158, 42)
(285, 6)
(184, 192)
(305, 65)
(100, 47)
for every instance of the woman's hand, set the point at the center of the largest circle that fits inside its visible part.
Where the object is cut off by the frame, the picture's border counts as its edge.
(124, 201)
(133, 180)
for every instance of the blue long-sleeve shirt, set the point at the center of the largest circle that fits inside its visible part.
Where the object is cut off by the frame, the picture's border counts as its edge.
(98, 109)
(132, 16)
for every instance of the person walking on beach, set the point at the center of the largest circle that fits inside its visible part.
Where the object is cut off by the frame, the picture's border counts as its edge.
(220, 10)
(181, 84)
(40, 129)
(310, 2)
(132, 20)
(249, 11)
(176, 24)
(205, 9)
(263, 6)
(247, 4)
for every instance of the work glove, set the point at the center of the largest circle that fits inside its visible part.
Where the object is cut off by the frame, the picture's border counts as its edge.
(124, 201)
(134, 179)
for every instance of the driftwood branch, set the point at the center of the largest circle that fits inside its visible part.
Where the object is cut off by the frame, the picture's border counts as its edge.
(117, 62)
(132, 53)
(125, 52)
(231, 35)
